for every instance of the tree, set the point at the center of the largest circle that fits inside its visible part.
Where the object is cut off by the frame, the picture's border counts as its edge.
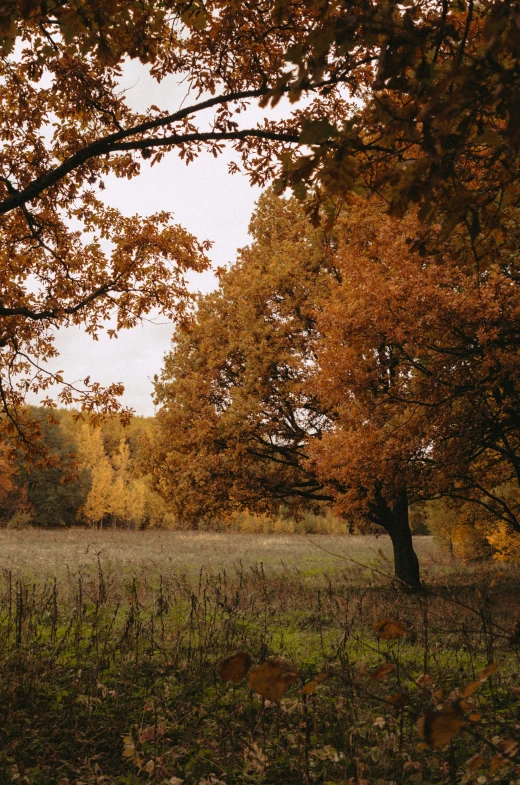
(418, 358)
(241, 412)
(235, 417)
(383, 378)
(416, 100)
(101, 499)
(53, 492)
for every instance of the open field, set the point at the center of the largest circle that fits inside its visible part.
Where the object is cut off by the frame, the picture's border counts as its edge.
(42, 553)
(110, 643)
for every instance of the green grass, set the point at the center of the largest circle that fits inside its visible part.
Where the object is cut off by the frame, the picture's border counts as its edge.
(108, 666)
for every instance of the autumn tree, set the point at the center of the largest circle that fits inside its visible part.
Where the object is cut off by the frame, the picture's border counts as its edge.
(235, 416)
(240, 408)
(53, 492)
(415, 100)
(418, 359)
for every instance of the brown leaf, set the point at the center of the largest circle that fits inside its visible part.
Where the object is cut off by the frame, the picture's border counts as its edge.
(516, 692)
(475, 762)
(471, 688)
(388, 629)
(310, 687)
(496, 762)
(425, 679)
(272, 678)
(383, 670)
(151, 732)
(234, 668)
(397, 700)
(437, 728)
(488, 671)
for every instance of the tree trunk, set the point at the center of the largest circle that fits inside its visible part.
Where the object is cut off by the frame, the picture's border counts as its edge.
(394, 518)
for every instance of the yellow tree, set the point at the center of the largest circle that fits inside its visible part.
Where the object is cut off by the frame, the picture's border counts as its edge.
(99, 504)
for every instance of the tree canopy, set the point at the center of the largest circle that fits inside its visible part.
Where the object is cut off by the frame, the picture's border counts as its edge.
(414, 100)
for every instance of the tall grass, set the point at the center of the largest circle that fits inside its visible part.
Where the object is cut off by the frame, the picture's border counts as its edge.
(109, 675)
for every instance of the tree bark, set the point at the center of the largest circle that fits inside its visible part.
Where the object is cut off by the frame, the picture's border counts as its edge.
(394, 518)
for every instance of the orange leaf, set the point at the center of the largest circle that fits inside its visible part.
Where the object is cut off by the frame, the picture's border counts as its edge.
(471, 688)
(310, 687)
(437, 696)
(437, 728)
(234, 668)
(388, 629)
(271, 679)
(383, 670)
(488, 671)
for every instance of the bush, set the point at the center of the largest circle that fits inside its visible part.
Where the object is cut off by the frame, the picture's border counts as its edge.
(20, 520)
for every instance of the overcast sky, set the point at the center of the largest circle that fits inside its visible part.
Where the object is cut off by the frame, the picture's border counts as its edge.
(207, 201)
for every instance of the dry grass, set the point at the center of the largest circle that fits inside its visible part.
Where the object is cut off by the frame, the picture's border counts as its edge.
(108, 672)
(42, 553)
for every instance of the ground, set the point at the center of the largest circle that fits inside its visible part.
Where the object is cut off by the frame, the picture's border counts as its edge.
(112, 643)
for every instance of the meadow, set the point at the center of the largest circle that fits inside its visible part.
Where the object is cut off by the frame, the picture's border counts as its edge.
(111, 645)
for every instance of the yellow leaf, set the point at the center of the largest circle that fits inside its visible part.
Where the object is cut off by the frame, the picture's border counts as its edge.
(437, 728)
(128, 746)
(234, 668)
(272, 678)
(388, 629)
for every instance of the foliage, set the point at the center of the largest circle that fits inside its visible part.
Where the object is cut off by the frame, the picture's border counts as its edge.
(417, 101)
(235, 414)
(53, 492)
(81, 481)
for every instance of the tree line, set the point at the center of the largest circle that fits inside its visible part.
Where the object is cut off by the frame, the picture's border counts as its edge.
(91, 476)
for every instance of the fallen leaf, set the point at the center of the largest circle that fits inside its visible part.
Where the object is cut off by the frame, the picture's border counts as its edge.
(388, 629)
(272, 678)
(310, 687)
(383, 670)
(496, 762)
(234, 668)
(488, 671)
(128, 746)
(437, 728)
(397, 700)
(475, 762)
(425, 679)
(470, 689)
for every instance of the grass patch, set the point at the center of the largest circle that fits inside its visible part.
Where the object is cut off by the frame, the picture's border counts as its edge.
(108, 669)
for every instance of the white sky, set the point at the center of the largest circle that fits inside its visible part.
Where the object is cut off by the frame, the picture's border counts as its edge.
(207, 201)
